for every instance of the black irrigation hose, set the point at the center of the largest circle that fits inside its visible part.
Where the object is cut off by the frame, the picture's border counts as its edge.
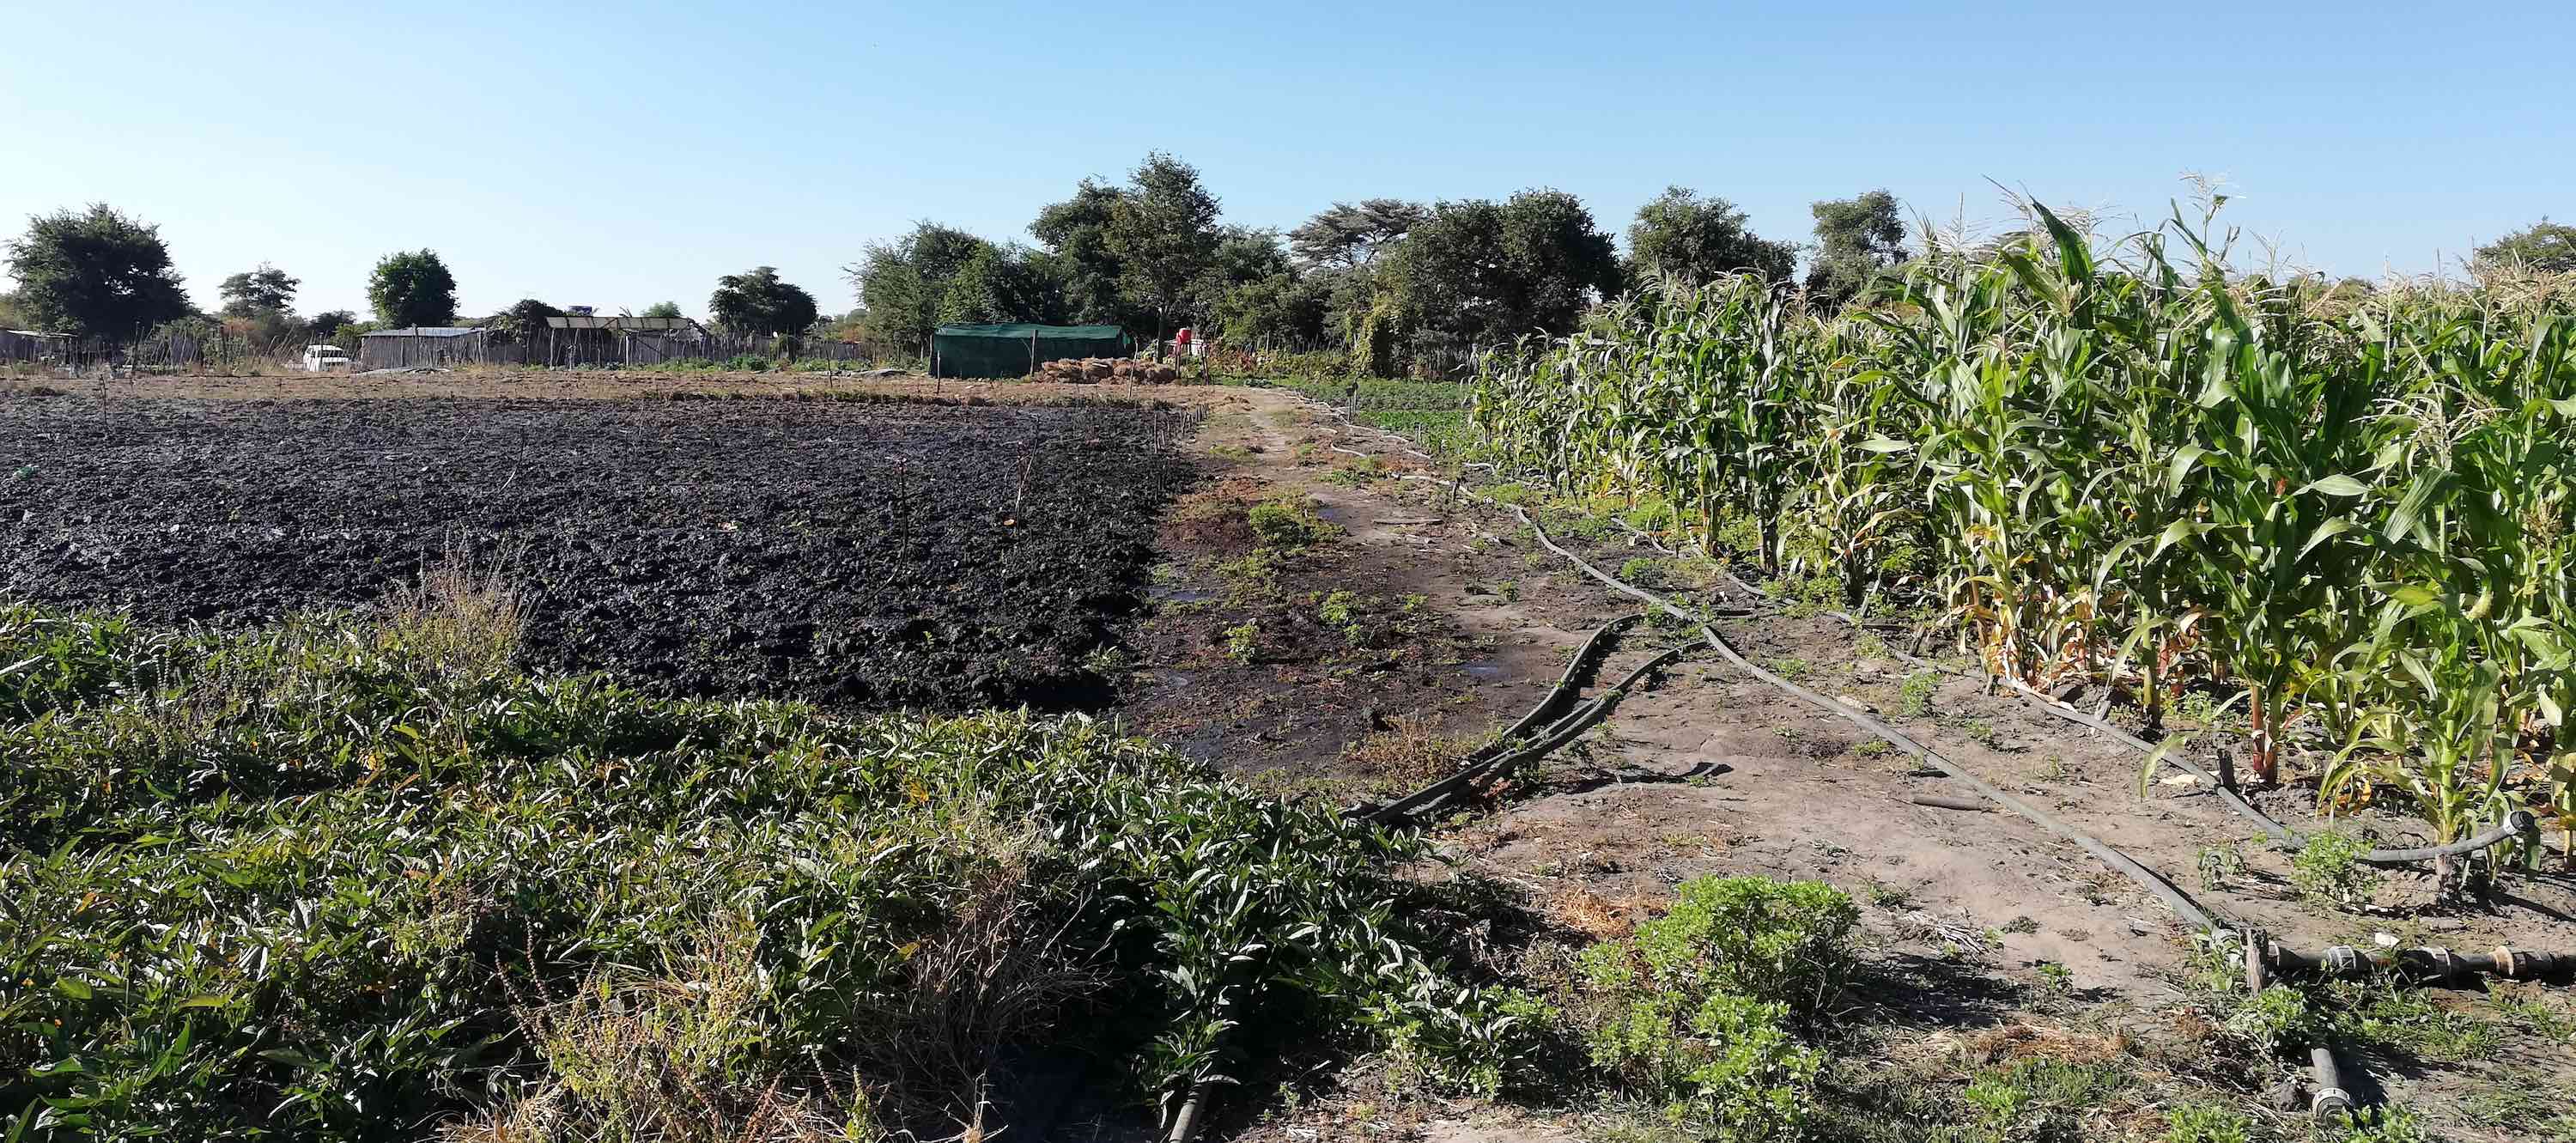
(2431, 965)
(1550, 740)
(2174, 898)
(2280, 834)
(1490, 757)
(2515, 824)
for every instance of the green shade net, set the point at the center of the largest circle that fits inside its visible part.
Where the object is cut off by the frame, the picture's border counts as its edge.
(1013, 349)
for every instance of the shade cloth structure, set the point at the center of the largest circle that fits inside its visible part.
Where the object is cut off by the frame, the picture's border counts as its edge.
(1014, 349)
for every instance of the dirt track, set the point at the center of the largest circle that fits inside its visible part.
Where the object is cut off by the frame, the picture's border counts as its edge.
(855, 552)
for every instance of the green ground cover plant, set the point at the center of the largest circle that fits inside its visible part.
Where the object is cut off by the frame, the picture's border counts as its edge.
(354, 872)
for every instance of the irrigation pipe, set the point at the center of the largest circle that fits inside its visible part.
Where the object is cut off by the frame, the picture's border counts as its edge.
(2330, 1099)
(2500, 833)
(1555, 737)
(2174, 898)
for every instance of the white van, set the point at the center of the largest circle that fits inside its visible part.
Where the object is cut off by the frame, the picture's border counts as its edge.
(325, 359)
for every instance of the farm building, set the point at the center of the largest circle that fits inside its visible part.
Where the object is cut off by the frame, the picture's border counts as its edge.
(585, 339)
(421, 345)
(1017, 349)
(29, 345)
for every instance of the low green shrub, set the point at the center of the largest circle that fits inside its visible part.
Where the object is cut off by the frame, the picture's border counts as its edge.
(1289, 525)
(1696, 1010)
(2328, 869)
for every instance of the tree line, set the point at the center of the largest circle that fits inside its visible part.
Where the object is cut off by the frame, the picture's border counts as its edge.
(1390, 281)
(99, 273)
(1394, 283)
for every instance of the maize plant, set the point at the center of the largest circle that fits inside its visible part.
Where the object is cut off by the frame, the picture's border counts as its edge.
(2128, 463)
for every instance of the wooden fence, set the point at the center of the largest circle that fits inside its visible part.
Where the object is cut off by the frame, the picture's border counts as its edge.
(183, 353)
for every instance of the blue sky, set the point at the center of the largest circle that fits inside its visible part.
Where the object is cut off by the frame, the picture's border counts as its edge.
(620, 155)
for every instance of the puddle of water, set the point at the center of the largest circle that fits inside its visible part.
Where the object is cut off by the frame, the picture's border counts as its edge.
(1160, 593)
(1483, 670)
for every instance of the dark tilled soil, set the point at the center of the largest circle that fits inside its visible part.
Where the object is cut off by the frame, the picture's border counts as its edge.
(861, 554)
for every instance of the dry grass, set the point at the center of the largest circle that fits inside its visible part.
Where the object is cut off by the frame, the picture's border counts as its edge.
(1410, 752)
(671, 1059)
(998, 974)
(460, 619)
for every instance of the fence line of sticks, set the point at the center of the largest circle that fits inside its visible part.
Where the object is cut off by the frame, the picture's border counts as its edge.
(182, 352)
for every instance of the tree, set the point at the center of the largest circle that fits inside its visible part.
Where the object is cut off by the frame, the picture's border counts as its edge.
(1480, 273)
(1163, 230)
(1682, 235)
(1347, 235)
(1280, 310)
(1856, 239)
(662, 310)
(1075, 233)
(2544, 245)
(13, 314)
(904, 285)
(323, 326)
(95, 272)
(412, 288)
(266, 290)
(1243, 255)
(755, 301)
(521, 322)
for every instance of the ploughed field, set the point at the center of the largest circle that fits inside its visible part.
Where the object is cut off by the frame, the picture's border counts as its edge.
(861, 553)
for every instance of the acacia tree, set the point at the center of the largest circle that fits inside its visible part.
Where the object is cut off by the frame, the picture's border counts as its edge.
(1163, 230)
(756, 301)
(95, 272)
(1682, 235)
(1856, 239)
(412, 288)
(266, 290)
(1347, 235)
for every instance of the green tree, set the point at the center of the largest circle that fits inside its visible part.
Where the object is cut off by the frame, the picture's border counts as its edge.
(95, 272)
(1348, 235)
(1243, 255)
(756, 301)
(325, 325)
(412, 288)
(266, 290)
(1075, 233)
(1279, 310)
(1163, 230)
(663, 310)
(1856, 240)
(524, 322)
(13, 314)
(904, 285)
(1682, 235)
(1481, 273)
(2544, 245)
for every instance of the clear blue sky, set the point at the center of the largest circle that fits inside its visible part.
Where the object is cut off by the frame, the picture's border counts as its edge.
(621, 155)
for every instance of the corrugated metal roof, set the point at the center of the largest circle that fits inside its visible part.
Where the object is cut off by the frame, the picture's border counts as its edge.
(426, 331)
(638, 324)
